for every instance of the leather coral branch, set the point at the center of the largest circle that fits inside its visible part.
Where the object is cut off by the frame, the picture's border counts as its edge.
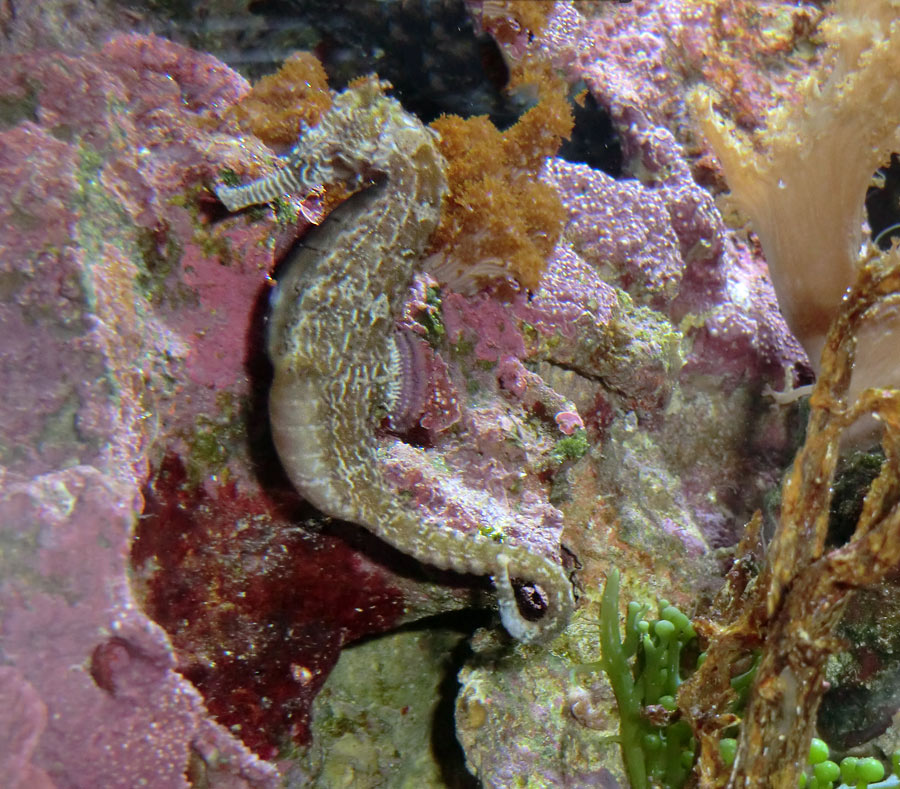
(802, 181)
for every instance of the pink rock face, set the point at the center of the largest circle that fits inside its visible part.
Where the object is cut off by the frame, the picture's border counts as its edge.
(622, 228)
(99, 700)
(22, 722)
(643, 55)
(131, 333)
(93, 350)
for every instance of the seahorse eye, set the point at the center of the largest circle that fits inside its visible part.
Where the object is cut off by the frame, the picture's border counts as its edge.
(531, 600)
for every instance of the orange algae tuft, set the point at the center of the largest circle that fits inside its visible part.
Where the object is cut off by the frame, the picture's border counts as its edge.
(508, 19)
(498, 219)
(279, 102)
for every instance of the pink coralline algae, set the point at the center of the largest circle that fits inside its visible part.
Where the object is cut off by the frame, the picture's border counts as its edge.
(535, 395)
(622, 228)
(484, 322)
(99, 699)
(22, 722)
(639, 58)
(697, 266)
(82, 364)
(131, 327)
(658, 235)
(573, 302)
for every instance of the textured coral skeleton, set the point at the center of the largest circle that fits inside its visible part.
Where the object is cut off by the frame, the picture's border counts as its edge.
(335, 349)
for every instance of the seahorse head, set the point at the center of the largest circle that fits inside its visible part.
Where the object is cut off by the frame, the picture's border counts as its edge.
(355, 140)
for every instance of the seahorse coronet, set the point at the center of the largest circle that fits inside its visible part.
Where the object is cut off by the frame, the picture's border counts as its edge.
(333, 343)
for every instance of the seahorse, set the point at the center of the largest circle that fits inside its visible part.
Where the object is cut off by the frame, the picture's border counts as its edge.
(338, 359)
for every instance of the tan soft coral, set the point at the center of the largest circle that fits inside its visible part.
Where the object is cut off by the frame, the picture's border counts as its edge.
(802, 182)
(498, 219)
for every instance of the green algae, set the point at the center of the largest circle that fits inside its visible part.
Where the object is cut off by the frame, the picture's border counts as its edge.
(431, 318)
(572, 447)
(285, 212)
(216, 440)
(462, 347)
(158, 257)
(16, 109)
(229, 177)
(644, 669)
(642, 336)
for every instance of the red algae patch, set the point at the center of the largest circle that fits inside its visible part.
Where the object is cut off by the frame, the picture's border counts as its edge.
(258, 610)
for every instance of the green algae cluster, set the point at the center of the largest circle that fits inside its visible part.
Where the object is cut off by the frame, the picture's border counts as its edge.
(572, 447)
(865, 772)
(644, 669)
